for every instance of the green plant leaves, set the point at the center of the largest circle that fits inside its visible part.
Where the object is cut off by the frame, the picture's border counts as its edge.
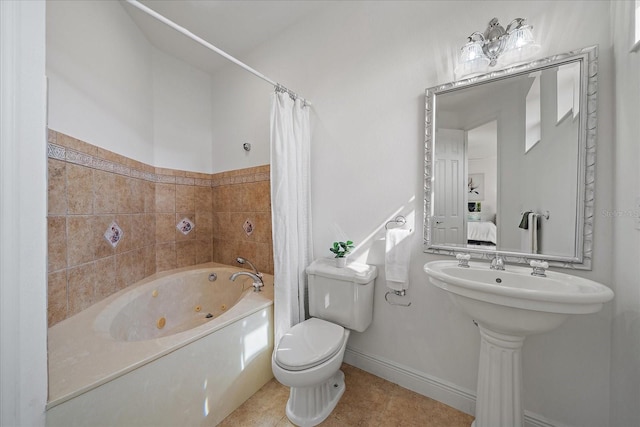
(342, 248)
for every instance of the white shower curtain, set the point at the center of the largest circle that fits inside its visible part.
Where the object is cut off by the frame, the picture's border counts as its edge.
(290, 209)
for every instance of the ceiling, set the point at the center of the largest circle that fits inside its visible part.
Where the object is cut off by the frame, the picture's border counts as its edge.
(236, 27)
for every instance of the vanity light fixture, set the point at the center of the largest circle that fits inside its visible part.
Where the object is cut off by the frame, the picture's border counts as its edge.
(482, 50)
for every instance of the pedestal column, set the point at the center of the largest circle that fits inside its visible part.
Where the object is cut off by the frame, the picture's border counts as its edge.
(499, 394)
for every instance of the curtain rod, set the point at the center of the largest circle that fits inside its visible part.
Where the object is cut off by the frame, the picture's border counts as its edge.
(209, 46)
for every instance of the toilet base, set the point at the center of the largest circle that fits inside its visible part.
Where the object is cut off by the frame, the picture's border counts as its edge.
(309, 406)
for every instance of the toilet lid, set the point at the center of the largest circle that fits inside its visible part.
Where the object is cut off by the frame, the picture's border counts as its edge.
(308, 344)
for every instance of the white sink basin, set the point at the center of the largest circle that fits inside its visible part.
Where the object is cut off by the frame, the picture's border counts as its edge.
(514, 301)
(507, 306)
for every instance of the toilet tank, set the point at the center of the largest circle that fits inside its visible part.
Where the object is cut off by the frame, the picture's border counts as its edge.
(342, 295)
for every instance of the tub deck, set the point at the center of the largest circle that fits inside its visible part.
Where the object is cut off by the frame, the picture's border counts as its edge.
(83, 357)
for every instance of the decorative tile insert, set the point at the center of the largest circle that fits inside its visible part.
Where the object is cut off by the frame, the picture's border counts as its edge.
(185, 226)
(248, 227)
(113, 234)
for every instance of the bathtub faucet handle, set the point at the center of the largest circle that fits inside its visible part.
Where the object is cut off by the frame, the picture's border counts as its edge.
(241, 260)
(257, 280)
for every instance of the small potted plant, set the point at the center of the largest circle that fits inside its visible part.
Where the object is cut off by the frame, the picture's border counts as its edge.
(341, 249)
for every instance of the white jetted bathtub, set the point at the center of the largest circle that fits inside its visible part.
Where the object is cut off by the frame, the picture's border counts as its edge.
(175, 349)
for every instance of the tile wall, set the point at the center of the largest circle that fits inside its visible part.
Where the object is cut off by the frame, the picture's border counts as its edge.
(90, 188)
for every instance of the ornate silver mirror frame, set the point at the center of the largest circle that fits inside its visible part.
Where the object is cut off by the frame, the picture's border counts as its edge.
(586, 164)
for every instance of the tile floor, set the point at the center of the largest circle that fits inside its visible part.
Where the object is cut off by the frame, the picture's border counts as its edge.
(367, 401)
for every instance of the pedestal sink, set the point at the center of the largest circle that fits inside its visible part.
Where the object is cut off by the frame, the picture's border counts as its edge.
(509, 305)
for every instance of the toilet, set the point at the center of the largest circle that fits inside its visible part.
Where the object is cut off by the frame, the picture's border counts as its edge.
(308, 357)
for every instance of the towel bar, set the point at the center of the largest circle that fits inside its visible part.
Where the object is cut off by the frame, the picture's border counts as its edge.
(399, 221)
(545, 215)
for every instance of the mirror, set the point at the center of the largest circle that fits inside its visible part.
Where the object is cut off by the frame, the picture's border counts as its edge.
(510, 161)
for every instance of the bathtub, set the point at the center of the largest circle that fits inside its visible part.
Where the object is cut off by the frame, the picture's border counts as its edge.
(173, 349)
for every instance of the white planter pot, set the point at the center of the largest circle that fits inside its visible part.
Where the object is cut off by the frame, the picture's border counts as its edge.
(341, 262)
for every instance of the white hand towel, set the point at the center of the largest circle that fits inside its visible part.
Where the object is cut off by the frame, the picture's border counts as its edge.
(533, 230)
(396, 258)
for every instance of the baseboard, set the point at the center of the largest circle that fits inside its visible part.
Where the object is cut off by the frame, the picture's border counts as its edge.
(450, 394)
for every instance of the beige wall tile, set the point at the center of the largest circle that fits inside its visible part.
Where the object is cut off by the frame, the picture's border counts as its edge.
(264, 257)
(137, 195)
(83, 202)
(185, 253)
(221, 198)
(238, 196)
(80, 240)
(149, 260)
(204, 251)
(81, 280)
(165, 256)
(79, 190)
(149, 189)
(204, 225)
(105, 277)
(137, 232)
(57, 243)
(129, 268)
(165, 227)
(124, 194)
(222, 225)
(226, 251)
(203, 199)
(165, 198)
(52, 136)
(57, 187)
(104, 192)
(56, 297)
(149, 229)
(110, 156)
(259, 196)
(185, 201)
(76, 144)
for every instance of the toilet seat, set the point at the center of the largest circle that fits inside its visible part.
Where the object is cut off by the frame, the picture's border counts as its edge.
(309, 344)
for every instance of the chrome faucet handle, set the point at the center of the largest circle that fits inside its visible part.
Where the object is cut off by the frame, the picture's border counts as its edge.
(539, 268)
(463, 260)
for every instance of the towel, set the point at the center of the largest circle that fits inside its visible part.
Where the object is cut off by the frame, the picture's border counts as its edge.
(396, 258)
(533, 232)
(524, 222)
(530, 234)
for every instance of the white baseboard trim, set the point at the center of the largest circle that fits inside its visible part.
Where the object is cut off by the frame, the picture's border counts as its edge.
(450, 394)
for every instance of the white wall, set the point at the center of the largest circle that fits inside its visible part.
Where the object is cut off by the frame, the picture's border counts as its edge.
(100, 82)
(110, 87)
(625, 358)
(181, 114)
(23, 225)
(365, 66)
(240, 113)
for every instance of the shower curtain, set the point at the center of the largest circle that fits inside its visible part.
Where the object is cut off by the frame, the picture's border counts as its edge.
(290, 209)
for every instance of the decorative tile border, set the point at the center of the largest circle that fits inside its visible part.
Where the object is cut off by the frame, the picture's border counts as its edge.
(59, 152)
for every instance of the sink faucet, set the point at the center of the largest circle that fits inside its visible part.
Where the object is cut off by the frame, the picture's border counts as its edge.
(497, 263)
(258, 283)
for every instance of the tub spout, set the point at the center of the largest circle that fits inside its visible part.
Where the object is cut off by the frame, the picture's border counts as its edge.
(257, 280)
